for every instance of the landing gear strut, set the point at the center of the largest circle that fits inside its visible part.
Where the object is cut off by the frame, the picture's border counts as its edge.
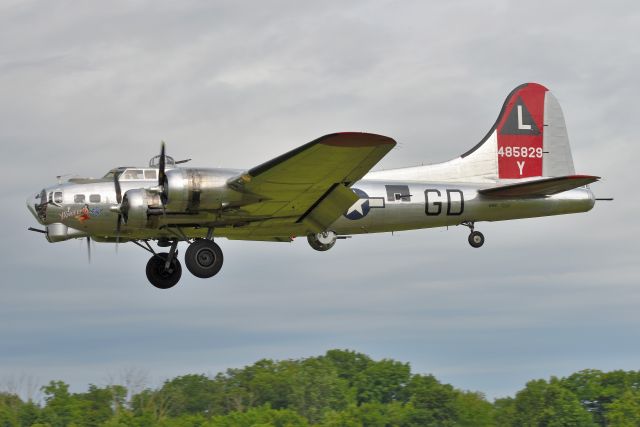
(476, 238)
(164, 269)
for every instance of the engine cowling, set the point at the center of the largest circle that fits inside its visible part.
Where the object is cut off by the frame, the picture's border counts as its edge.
(137, 206)
(192, 189)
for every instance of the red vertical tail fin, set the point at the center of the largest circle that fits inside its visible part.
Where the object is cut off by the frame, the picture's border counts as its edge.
(529, 137)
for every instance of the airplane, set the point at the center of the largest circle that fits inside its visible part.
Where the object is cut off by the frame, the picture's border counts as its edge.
(325, 191)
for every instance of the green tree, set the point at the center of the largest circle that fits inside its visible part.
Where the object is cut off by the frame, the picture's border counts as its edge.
(548, 404)
(505, 411)
(97, 405)
(61, 409)
(10, 405)
(434, 403)
(262, 416)
(382, 381)
(625, 411)
(349, 364)
(190, 394)
(29, 413)
(473, 410)
(268, 383)
(150, 407)
(373, 414)
(596, 390)
(316, 388)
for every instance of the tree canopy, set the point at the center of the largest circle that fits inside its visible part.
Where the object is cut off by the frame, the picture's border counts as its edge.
(341, 388)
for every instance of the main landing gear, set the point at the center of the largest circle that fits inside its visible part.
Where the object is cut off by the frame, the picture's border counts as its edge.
(203, 259)
(476, 238)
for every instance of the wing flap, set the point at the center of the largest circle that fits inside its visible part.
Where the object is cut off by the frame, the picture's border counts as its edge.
(328, 208)
(540, 187)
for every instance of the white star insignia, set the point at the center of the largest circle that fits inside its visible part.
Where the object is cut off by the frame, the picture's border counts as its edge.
(357, 207)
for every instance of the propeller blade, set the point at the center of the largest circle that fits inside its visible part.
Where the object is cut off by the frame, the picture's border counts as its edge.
(162, 176)
(116, 184)
(118, 231)
(161, 165)
(89, 248)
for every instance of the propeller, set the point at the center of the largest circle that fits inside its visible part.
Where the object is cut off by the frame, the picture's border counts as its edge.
(161, 173)
(162, 178)
(116, 184)
(89, 249)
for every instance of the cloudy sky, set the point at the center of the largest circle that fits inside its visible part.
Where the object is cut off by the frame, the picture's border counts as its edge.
(86, 86)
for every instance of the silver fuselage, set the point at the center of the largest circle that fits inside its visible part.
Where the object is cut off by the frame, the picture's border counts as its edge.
(385, 206)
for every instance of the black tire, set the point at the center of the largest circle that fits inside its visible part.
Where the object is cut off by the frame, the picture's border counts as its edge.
(203, 258)
(158, 276)
(316, 244)
(476, 239)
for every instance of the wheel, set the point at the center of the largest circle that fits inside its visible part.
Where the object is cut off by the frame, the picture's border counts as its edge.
(476, 239)
(322, 241)
(203, 258)
(160, 277)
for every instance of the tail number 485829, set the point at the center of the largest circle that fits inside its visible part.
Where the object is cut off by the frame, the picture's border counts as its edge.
(524, 152)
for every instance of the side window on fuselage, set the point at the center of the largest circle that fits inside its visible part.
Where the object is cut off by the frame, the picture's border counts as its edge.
(150, 174)
(78, 198)
(94, 198)
(57, 197)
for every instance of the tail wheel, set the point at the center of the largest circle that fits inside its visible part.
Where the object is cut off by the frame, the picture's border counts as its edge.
(160, 276)
(476, 239)
(203, 258)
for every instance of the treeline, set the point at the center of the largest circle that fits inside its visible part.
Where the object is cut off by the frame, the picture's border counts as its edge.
(341, 388)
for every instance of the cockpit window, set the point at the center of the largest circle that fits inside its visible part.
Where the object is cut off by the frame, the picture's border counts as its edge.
(150, 174)
(50, 199)
(113, 172)
(57, 197)
(132, 174)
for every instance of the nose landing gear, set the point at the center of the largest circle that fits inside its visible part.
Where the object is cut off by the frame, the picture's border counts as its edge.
(476, 238)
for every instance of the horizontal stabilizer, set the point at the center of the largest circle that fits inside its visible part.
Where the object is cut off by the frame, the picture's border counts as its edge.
(540, 187)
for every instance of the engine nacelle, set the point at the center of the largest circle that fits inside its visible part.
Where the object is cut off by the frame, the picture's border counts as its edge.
(322, 241)
(137, 205)
(58, 232)
(191, 189)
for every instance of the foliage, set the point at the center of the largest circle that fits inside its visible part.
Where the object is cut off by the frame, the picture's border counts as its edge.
(544, 403)
(340, 389)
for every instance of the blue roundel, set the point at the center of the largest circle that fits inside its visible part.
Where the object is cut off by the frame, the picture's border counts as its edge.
(359, 209)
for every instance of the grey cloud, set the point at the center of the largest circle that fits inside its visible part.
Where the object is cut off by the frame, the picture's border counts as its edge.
(87, 87)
